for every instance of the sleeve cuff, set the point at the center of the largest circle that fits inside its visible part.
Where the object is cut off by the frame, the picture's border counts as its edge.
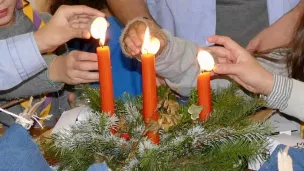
(26, 55)
(280, 93)
(49, 60)
(165, 51)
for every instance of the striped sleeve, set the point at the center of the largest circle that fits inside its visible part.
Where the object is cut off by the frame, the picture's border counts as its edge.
(280, 93)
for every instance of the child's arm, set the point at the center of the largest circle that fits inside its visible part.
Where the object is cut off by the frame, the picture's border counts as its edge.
(176, 61)
(178, 64)
(37, 85)
(15, 69)
(74, 68)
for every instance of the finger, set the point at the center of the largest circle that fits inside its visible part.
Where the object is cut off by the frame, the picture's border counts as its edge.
(80, 25)
(227, 69)
(86, 75)
(220, 51)
(85, 56)
(212, 74)
(130, 51)
(86, 66)
(86, 34)
(141, 29)
(222, 61)
(134, 37)
(227, 42)
(82, 81)
(131, 46)
(84, 16)
(81, 20)
(238, 80)
(70, 11)
(252, 45)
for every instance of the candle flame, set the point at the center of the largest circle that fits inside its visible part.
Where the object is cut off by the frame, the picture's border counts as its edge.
(151, 44)
(98, 29)
(205, 60)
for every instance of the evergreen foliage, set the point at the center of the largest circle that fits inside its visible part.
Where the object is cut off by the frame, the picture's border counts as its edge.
(229, 140)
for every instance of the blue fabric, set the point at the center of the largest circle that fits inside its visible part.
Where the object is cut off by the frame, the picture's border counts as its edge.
(195, 20)
(297, 156)
(126, 71)
(15, 68)
(98, 167)
(19, 152)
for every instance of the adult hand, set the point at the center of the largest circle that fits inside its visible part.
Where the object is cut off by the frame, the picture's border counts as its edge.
(272, 37)
(75, 68)
(238, 64)
(67, 23)
(280, 33)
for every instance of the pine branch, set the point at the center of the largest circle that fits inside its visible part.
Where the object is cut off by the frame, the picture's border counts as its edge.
(227, 141)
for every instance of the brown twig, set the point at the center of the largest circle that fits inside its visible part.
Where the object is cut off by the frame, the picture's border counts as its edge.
(12, 103)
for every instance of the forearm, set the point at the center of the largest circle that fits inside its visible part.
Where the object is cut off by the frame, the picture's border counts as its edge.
(178, 64)
(287, 25)
(287, 96)
(126, 10)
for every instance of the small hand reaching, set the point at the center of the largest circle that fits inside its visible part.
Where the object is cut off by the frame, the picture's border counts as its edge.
(133, 37)
(75, 68)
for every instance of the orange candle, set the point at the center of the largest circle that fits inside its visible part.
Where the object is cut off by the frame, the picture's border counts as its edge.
(149, 92)
(105, 80)
(150, 113)
(98, 31)
(204, 95)
(206, 63)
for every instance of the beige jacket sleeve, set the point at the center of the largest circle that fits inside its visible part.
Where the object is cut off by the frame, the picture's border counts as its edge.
(178, 65)
(295, 103)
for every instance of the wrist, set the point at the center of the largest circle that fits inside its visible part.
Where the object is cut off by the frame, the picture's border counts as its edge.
(38, 35)
(54, 71)
(269, 84)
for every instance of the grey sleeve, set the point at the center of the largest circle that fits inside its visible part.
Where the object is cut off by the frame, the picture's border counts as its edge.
(45, 16)
(178, 65)
(36, 85)
(287, 96)
(280, 94)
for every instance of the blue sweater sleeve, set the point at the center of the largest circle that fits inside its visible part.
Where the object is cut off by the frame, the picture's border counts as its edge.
(20, 60)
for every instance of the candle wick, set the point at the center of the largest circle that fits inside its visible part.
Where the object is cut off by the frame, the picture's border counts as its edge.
(145, 50)
(101, 44)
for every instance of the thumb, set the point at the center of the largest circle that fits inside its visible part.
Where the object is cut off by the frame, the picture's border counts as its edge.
(253, 45)
(226, 69)
(81, 33)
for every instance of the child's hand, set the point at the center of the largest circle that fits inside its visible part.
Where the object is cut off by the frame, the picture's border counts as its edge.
(75, 68)
(133, 36)
(67, 23)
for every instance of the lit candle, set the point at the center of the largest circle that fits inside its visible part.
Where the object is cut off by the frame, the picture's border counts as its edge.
(149, 49)
(206, 62)
(98, 31)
